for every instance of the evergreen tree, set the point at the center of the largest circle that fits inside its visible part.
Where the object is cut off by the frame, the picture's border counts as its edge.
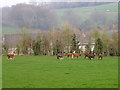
(74, 43)
(98, 46)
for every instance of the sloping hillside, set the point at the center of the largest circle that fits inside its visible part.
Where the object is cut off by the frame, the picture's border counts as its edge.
(85, 12)
(111, 10)
(112, 7)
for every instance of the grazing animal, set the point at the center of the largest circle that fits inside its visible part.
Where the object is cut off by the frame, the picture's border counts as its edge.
(70, 55)
(89, 55)
(60, 56)
(76, 54)
(86, 55)
(11, 56)
(100, 56)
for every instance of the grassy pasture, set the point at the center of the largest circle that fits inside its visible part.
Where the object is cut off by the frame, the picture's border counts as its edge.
(85, 12)
(112, 7)
(48, 72)
(9, 30)
(13, 30)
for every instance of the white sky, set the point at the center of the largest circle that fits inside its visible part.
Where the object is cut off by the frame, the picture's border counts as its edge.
(4, 3)
(11, 2)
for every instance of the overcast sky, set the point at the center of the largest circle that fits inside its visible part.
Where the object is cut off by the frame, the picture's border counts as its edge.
(4, 3)
(11, 2)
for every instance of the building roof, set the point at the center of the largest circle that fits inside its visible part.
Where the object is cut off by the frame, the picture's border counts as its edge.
(86, 43)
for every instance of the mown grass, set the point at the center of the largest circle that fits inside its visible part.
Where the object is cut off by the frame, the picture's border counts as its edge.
(112, 7)
(9, 30)
(14, 30)
(48, 72)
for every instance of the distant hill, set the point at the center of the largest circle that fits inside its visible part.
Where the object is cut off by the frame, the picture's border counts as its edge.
(110, 9)
(67, 4)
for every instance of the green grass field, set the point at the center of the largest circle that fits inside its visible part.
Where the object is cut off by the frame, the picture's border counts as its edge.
(86, 12)
(48, 72)
(13, 30)
(113, 7)
(9, 30)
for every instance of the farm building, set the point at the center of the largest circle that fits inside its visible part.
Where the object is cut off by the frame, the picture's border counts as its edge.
(82, 46)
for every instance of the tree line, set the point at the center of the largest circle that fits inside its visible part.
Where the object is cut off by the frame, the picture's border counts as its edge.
(66, 40)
